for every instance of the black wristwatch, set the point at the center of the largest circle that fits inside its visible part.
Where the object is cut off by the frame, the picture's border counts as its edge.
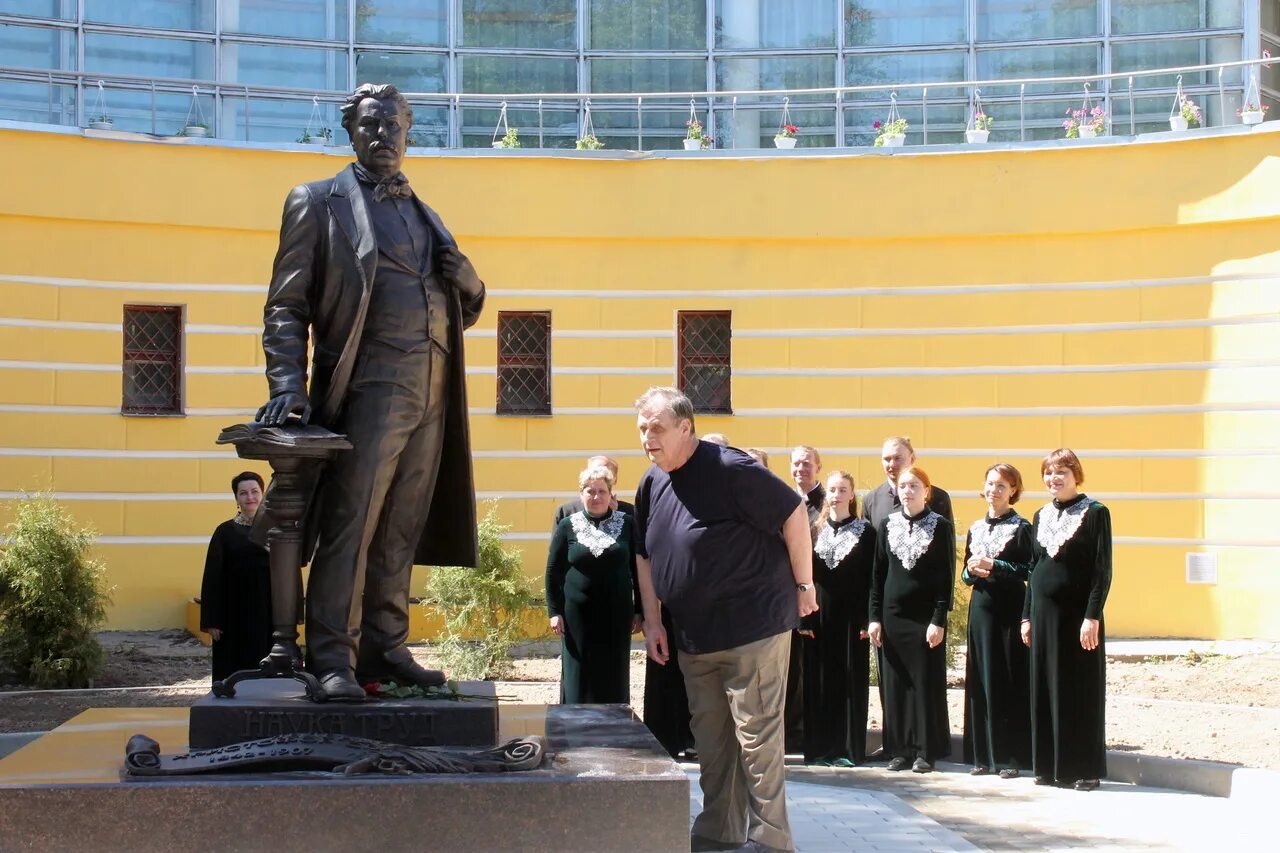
(804, 587)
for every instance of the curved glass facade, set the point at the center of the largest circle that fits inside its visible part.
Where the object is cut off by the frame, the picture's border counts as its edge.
(445, 50)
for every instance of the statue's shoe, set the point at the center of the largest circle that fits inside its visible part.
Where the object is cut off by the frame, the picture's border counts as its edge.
(341, 684)
(399, 665)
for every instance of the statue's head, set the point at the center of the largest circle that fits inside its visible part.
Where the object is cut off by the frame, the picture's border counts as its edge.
(378, 118)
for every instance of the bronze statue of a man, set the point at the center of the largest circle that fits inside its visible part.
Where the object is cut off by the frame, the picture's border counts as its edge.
(373, 276)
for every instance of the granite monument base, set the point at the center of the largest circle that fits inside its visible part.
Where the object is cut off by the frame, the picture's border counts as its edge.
(607, 786)
(267, 708)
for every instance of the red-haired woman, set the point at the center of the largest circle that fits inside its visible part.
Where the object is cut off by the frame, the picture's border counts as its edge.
(998, 554)
(837, 654)
(911, 584)
(1062, 623)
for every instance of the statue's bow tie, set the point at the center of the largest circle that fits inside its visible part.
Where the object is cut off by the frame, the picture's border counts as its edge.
(397, 187)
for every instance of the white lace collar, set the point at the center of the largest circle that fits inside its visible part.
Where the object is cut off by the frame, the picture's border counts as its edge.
(596, 539)
(1057, 526)
(989, 539)
(908, 540)
(834, 545)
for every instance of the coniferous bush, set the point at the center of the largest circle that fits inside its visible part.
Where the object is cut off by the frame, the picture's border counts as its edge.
(483, 608)
(958, 617)
(53, 597)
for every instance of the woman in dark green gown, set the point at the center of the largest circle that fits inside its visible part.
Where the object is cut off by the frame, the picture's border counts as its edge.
(591, 595)
(837, 659)
(997, 557)
(911, 586)
(1063, 625)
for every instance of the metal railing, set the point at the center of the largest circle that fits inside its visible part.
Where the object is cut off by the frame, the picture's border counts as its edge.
(69, 93)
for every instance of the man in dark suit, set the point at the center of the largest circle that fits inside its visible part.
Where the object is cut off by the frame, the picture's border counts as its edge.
(568, 508)
(371, 274)
(896, 456)
(806, 465)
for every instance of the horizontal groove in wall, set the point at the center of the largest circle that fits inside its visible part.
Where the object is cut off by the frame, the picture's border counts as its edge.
(764, 372)
(1152, 541)
(621, 453)
(566, 495)
(656, 293)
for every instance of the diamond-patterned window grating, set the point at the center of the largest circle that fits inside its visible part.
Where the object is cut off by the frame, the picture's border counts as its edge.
(152, 364)
(524, 362)
(703, 367)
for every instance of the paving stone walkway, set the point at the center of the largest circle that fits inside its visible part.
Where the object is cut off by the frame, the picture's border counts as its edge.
(868, 808)
(830, 818)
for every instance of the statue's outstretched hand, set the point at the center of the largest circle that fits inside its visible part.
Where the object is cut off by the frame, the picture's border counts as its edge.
(458, 269)
(276, 410)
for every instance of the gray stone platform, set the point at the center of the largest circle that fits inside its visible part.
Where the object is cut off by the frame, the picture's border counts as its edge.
(607, 786)
(273, 707)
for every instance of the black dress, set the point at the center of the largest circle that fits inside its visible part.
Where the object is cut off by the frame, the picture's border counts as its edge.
(997, 706)
(877, 505)
(235, 596)
(837, 664)
(591, 570)
(910, 590)
(666, 700)
(1069, 584)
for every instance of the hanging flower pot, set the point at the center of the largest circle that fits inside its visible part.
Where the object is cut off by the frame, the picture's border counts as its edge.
(195, 124)
(978, 129)
(695, 138)
(510, 135)
(98, 118)
(785, 138)
(1086, 122)
(588, 141)
(1185, 112)
(1252, 110)
(892, 132)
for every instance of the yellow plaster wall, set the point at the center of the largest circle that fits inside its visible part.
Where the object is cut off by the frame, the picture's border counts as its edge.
(1192, 390)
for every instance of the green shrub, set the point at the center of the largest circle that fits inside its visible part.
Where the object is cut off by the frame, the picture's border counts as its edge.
(958, 618)
(53, 597)
(483, 608)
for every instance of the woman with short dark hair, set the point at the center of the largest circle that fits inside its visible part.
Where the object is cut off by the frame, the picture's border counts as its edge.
(592, 601)
(997, 557)
(1062, 623)
(235, 594)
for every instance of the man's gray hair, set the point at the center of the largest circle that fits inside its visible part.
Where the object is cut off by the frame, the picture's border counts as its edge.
(379, 92)
(595, 472)
(674, 403)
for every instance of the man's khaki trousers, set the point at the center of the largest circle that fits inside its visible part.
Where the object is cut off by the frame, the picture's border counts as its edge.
(736, 698)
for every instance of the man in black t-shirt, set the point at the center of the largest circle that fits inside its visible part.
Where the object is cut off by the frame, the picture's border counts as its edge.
(724, 545)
